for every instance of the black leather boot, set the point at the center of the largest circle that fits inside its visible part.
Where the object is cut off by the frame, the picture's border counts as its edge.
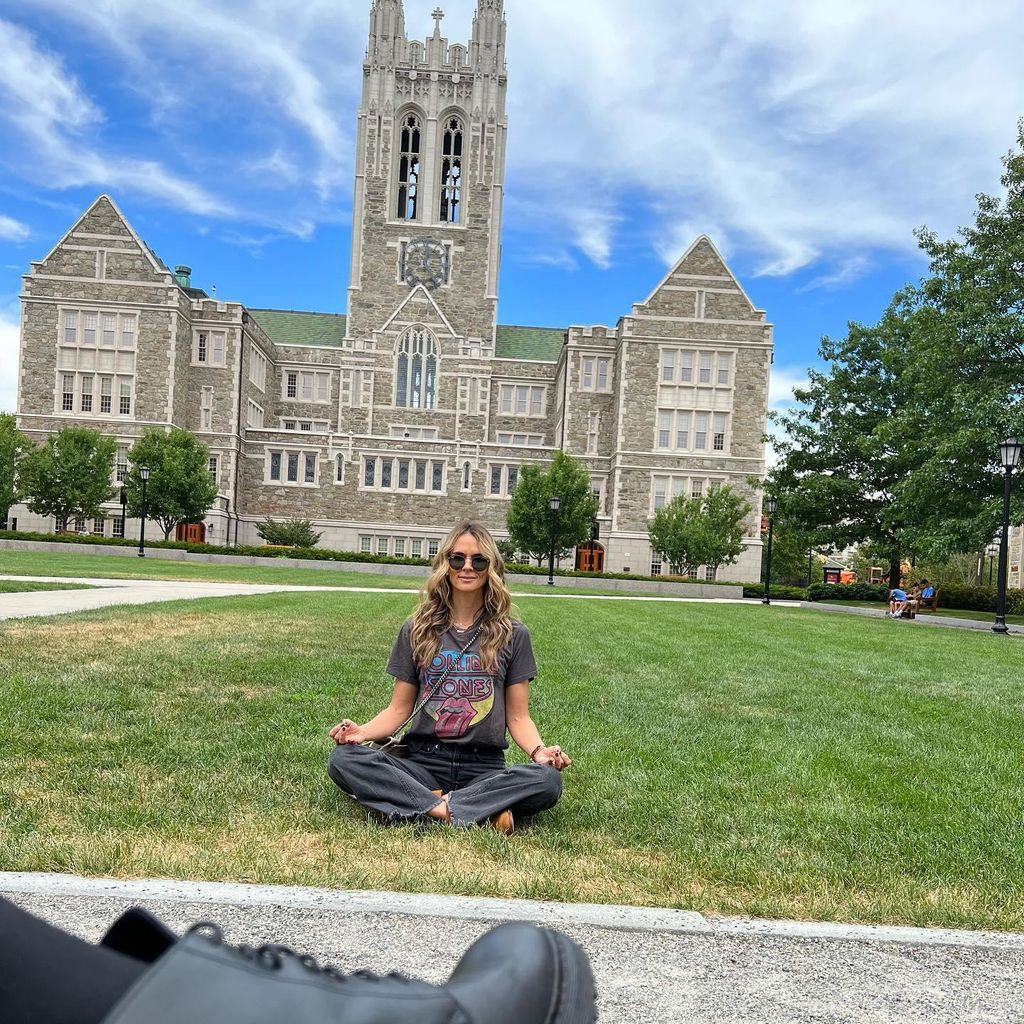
(516, 974)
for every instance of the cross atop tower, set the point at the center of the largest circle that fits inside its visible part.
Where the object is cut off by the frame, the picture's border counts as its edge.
(438, 17)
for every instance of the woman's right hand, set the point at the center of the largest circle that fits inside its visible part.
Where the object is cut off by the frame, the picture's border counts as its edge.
(348, 733)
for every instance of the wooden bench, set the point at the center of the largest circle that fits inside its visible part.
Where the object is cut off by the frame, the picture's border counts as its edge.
(929, 604)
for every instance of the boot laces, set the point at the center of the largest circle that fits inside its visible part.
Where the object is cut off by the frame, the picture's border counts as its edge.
(271, 956)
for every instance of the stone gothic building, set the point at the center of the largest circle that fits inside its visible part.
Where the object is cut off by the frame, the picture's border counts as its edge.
(386, 425)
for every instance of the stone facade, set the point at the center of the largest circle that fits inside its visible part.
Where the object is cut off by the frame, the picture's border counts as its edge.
(385, 425)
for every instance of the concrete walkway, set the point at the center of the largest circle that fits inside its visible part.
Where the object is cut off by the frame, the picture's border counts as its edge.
(950, 621)
(111, 592)
(651, 965)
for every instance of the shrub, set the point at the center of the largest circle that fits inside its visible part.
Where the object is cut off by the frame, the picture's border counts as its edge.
(294, 533)
(782, 591)
(848, 592)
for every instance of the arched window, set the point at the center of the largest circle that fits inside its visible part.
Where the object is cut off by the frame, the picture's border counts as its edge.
(409, 168)
(451, 171)
(416, 370)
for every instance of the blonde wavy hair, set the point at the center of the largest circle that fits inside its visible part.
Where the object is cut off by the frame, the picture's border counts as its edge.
(433, 615)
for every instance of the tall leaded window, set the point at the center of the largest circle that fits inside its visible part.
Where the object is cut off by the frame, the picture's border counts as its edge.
(409, 168)
(416, 370)
(451, 171)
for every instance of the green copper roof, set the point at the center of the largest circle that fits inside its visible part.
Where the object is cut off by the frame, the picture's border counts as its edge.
(288, 327)
(540, 343)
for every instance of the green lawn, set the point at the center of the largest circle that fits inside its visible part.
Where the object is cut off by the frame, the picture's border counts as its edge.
(39, 563)
(27, 587)
(729, 759)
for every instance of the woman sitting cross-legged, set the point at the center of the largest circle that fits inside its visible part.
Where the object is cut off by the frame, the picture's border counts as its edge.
(464, 661)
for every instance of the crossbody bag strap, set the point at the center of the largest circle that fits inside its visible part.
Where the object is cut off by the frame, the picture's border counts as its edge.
(440, 681)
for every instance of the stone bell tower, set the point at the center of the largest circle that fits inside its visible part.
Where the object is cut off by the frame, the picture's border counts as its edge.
(430, 171)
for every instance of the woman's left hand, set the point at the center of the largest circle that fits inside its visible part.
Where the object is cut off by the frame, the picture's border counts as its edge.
(553, 756)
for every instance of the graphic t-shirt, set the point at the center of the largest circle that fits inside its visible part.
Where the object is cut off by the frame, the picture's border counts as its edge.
(469, 707)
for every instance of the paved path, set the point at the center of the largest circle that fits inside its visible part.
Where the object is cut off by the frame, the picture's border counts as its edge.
(922, 620)
(110, 592)
(651, 965)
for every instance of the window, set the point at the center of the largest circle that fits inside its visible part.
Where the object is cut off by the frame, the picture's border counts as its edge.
(700, 433)
(664, 429)
(417, 548)
(383, 545)
(404, 475)
(71, 328)
(312, 386)
(127, 332)
(206, 410)
(339, 473)
(521, 440)
(356, 388)
(68, 393)
(125, 406)
(724, 370)
(293, 468)
(667, 488)
(89, 328)
(117, 527)
(705, 367)
(202, 348)
(275, 466)
(399, 547)
(415, 433)
(655, 567)
(718, 437)
(122, 463)
(451, 171)
(409, 168)
(254, 415)
(697, 489)
(595, 374)
(668, 366)
(467, 476)
(86, 396)
(416, 370)
(366, 544)
(109, 330)
(106, 386)
(521, 400)
(80, 525)
(682, 430)
(99, 526)
(502, 480)
(258, 368)
(213, 467)
(311, 461)
(433, 547)
(218, 338)
(593, 432)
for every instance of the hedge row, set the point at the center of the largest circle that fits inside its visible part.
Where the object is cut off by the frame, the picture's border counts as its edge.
(848, 592)
(781, 591)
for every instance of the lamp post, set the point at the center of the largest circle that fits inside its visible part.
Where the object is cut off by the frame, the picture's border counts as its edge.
(144, 476)
(554, 504)
(1009, 452)
(771, 506)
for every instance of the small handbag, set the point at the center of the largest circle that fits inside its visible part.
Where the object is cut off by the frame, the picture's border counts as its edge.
(394, 745)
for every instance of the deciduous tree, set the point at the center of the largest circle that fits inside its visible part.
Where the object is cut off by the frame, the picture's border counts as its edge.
(13, 447)
(709, 531)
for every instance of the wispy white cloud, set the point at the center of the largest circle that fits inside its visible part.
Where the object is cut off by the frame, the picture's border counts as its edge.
(47, 108)
(12, 230)
(9, 332)
(846, 273)
(784, 380)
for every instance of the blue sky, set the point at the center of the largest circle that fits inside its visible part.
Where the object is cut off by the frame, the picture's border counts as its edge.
(808, 139)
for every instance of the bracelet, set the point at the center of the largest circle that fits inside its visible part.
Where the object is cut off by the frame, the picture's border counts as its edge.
(540, 746)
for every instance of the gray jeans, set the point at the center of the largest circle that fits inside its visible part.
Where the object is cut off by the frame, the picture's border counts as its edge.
(477, 778)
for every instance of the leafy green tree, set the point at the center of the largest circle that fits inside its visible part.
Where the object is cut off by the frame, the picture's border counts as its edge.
(793, 549)
(529, 519)
(180, 488)
(852, 441)
(296, 533)
(13, 446)
(709, 531)
(69, 474)
(966, 366)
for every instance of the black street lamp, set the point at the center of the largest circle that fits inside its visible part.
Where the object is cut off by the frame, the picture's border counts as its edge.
(771, 506)
(1009, 452)
(144, 476)
(554, 504)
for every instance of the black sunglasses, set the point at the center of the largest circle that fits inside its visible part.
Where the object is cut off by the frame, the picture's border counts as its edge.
(479, 563)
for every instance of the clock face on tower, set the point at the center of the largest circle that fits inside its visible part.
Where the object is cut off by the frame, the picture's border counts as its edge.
(426, 263)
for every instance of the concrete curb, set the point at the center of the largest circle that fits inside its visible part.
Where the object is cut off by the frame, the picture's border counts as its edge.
(617, 918)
